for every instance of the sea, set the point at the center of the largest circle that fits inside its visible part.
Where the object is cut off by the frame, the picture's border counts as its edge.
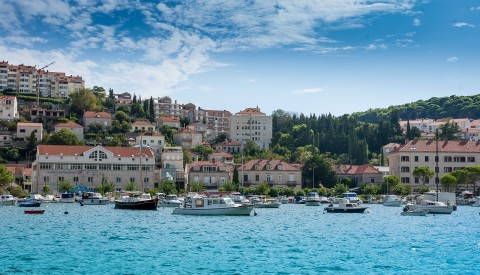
(293, 239)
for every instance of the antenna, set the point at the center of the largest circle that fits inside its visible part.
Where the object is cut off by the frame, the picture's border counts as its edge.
(37, 80)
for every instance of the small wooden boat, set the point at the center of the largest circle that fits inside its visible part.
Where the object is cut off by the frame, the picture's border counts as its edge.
(31, 211)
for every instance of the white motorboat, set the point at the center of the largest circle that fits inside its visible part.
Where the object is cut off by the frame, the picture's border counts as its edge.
(345, 206)
(313, 199)
(352, 197)
(434, 207)
(392, 200)
(67, 197)
(262, 202)
(410, 212)
(213, 206)
(283, 199)
(8, 200)
(476, 203)
(169, 201)
(93, 198)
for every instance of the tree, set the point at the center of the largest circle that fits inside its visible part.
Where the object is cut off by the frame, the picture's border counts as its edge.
(121, 116)
(11, 153)
(45, 189)
(448, 182)
(235, 175)
(167, 187)
(6, 177)
(424, 188)
(197, 187)
(65, 186)
(262, 189)
(423, 173)
(151, 110)
(63, 137)
(131, 186)
(106, 187)
(229, 186)
(84, 100)
(389, 183)
(449, 131)
(318, 170)
(340, 188)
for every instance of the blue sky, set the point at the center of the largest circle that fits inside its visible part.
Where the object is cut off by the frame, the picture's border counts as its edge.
(329, 56)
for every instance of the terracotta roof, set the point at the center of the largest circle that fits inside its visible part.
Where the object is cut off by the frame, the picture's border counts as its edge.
(142, 122)
(355, 169)
(207, 163)
(90, 114)
(70, 124)
(55, 150)
(29, 124)
(169, 119)
(222, 154)
(250, 111)
(7, 97)
(187, 131)
(450, 146)
(250, 165)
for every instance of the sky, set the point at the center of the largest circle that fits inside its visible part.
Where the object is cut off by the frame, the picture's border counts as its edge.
(301, 56)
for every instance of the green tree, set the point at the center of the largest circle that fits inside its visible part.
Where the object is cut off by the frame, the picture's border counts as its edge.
(197, 187)
(318, 170)
(65, 186)
(131, 186)
(424, 188)
(106, 187)
(121, 116)
(448, 182)
(151, 110)
(339, 189)
(6, 177)
(449, 131)
(235, 178)
(63, 137)
(262, 189)
(16, 191)
(229, 186)
(45, 189)
(11, 153)
(423, 173)
(84, 100)
(389, 183)
(167, 187)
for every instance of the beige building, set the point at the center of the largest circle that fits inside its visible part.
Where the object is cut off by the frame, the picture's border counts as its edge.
(211, 174)
(217, 119)
(72, 126)
(90, 166)
(172, 166)
(277, 173)
(153, 140)
(452, 155)
(25, 129)
(8, 108)
(187, 138)
(169, 121)
(228, 146)
(359, 174)
(142, 126)
(251, 124)
(103, 119)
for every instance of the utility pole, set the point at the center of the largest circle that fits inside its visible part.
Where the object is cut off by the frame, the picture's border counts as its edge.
(37, 84)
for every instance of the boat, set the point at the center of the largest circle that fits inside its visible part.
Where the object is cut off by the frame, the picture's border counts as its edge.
(29, 203)
(476, 202)
(8, 200)
(346, 206)
(324, 200)
(282, 199)
(352, 197)
(465, 198)
(434, 207)
(31, 211)
(93, 198)
(67, 197)
(313, 199)
(392, 200)
(136, 201)
(169, 201)
(417, 212)
(262, 202)
(213, 206)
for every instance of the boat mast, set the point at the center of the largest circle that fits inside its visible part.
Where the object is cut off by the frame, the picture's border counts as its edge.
(140, 166)
(436, 161)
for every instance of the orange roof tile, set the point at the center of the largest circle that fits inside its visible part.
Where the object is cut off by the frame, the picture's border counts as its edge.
(450, 146)
(250, 165)
(70, 124)
(55, 150)
(251, 111)
(90, 114)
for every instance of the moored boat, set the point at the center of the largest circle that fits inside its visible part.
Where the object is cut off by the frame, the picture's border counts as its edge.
(313, 199)
(67, 197)
(169, 201)
(476, 202)
(30, 203)
(434, 207)
(417, 212)
(136, 201)
(93, 198)
(392, 200)
(345, 206)
(262, 202)
(32, 211)
(8, 200)
(352, 197)
(213, 206)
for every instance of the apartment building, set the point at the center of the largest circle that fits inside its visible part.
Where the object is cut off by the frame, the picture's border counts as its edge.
(8, 108)
(165, 106)
(277, 173)
(172, 166)
(452, 155)
(142, 126)
(25, 129)
(101, 118)
(359, 174)
(90, 166)
(217, 119)
(72, 126)
(155, 141)
(251, 124)
(187, 138)
(211, 174)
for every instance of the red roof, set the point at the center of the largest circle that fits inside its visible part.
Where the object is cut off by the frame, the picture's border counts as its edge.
(90, 114)
(355, 169)
(250, 165)
(56, 150)
(251, 111)
(70, 124)
(169, 119)
(7, 97)
(451, 146)
(142, 123)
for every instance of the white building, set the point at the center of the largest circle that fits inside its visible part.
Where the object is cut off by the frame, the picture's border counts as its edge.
(8, 108)
(90, 166)
(72, 126)
(172, 165)
(153, 140)
(251, 124)
(25, 129)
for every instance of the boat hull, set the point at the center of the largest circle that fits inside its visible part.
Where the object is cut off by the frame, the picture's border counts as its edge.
(137, 205)
(231, 211)
(393, 203)
(8, 202)
(346, 210)
(415, 213)
(169, 204)
(34, 211)
(268, 205)
(95, 202)
(29, 204)
(434, 209)
(313, 203)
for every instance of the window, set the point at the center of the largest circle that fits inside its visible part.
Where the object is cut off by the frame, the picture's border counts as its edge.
(269, 167)
(405, 158)
(405, 169)
(405, 180)
(118, 180)
(46, 179)
(447, 159)
(416, 158)
(257, 178)
(257, 167)
(75, 179)
(132, 180)
(426, 159)
(458, 159)
(146, 180)
(90, 167)
(372, 180)
(90, 179)
(61, 178)
(470, 159)
(245, 178)
(427, 180)
(268, 178)
(222, 179)
(417, 180)
(447, 169)
(279, 178)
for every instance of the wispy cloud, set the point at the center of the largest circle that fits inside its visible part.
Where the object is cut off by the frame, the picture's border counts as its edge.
(463, 24)
(416, 22)
(475, 8)
(308, 91)
(452, 59)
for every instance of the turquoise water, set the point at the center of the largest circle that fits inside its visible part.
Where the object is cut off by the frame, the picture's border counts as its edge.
(294, 239)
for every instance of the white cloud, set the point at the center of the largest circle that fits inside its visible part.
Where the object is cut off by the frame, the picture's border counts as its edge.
(475, 8)
(416, 22)
(463, 24)
(308, 91)
(452, 59)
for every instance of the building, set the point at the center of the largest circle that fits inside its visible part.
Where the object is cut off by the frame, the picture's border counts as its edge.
(8, 108)
(72, 126)
(22, 174)
(90, 166)
(359, 174)
(166, 107)
(142, 126)
(38, 112)
(153, 140)
(251, 124)
(211, 174)
(187, 138)
(29, 79)
(452, 155)
(25, 129)
(218, 119)
(386, 149)
(172, 166)
(169, 121)
(223, 157)
(103, 119)
(470, 134)
(277, 173)
(228, 146)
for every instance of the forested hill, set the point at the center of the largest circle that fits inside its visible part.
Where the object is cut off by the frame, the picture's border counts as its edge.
(435, 108)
